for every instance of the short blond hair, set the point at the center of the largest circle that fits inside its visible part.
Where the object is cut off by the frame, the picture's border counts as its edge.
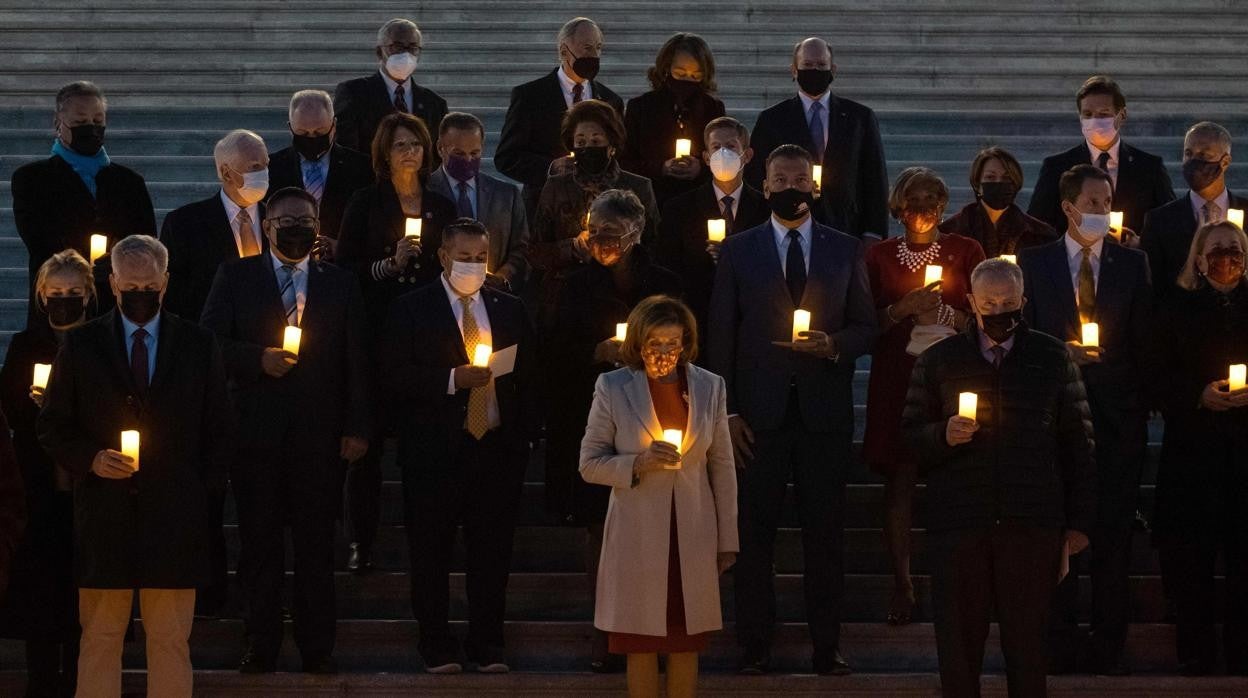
(65, 261)
(657, 311)
(1189, 277)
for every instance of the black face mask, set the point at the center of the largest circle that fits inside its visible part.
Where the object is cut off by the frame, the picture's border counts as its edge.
(140, 307)
(311, 147)
(814, 81)
(790, 204)
(1201, 173)
(64, 311)
(296, 241)
(592, 159)
(87, 139)
(586, 66)
(997, 195)
(683, 90)
(1002, 326)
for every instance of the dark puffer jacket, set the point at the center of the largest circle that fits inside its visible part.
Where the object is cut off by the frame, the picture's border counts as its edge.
(1031, 460)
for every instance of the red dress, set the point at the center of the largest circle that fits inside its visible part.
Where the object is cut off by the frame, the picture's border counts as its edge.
(673, 413)
(890, 364)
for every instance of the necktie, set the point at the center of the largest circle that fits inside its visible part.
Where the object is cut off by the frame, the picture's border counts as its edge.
(998, 355)
(290, 300)
(578, 92)
(816, 131)
(247, 244)
(1212, 213)
(400, 101)
(477, 421)
(730, 222)
(795, 268)
(464, 204)
(313, 181)
(138, 359)
(1102, 161)
(1087, 288)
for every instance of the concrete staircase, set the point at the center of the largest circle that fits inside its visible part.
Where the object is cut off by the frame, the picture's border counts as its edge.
(946, 78)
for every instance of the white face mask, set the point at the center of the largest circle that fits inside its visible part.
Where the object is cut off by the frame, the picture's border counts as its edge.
(725, 164)
(467, 277)
(1094, 226)
(255, 186)
(1099, 130)
(400, 66)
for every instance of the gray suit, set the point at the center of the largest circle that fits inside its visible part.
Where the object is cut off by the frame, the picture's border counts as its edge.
(500, 207)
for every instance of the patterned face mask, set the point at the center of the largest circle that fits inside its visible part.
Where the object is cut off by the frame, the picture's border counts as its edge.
(660, 362)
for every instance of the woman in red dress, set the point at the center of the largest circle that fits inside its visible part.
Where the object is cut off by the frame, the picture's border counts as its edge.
(913, 316)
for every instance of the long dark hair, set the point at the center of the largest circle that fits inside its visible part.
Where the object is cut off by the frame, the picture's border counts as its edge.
(692, 44)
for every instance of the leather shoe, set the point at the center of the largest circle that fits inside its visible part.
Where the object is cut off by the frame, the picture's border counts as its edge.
(834, 665)
(754, 663)
(323, 666)
(360, 561)
(253, 663)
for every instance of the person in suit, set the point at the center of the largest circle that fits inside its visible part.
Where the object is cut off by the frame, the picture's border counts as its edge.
(841, 134)
(301, 415)
(1085, 278)
(139, 523)
(672, 526)
(1140, 180)
(1168, 229)
(361, 103)
(41, 605)
(497, 204)
(680, 105)
(1007, 491)
(60, 202)
(388, 264)
(463, 444)
(314, 162)
(993, 219)
(790, 403)
(683, 243)
(531, 146)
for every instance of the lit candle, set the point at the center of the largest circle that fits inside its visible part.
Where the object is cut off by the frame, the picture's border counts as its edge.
(1238, 377)
(801, 323)
(968, 405)
(683, 147)
(716, 230)
(99, 246)
(130, 446)
(1115, 221)
(621, 331)
(412, 230)
(932, 274)
(481, 355)
(291, 339)
(42, 373)
(1091, 334)
(1236, 216)
(674, 437)
(1012, 259)
(818, 175)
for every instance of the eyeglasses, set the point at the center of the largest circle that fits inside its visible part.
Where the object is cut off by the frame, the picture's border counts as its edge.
(608, 242)
(392, 49)
(291, 221)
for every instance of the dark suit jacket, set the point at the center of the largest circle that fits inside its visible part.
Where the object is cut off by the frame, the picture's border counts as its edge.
(501, 208)
(349, 171)
(1014, 230)
(854, 191)
(1167, 238)
(150, 530)
(361, 103)
(751, 308)
(530, 138)
(1143, 185)
(326, 395)
(653, 122)
(199, 238)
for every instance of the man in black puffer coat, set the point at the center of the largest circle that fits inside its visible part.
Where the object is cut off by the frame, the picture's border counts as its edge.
(1010, 492)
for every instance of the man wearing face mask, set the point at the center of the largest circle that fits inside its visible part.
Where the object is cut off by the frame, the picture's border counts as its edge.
(1076, 280)
(683, 244)
(1006, 491)
(139, 523)
(497, 204)
(841, 134)
(1140, 180)
(318, 164)
(531, 141)
(1169, 229)
(58, 203)
(301, 417)
(463, 445)
(361, 103)
(790, 399)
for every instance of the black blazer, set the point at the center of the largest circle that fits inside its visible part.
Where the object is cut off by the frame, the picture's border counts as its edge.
(854, 192)
(349, 171)
(361, 103)
(1167, 238)
(530, 138)
(652, 123)
(150, 530)
(1143, 185)
(422, 344)
(751, 308)
(199, 238)
(326, 395)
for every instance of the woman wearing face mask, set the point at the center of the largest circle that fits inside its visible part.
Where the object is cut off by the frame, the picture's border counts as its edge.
(582, 346)
(912, 317)
(593, 132)
(1202, 479)
(680, 105)
(671, 528)
(41, 606)
(993, 219)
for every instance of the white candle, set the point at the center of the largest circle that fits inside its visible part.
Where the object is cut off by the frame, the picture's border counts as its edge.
(1115, 221)
(1236, 216)
(818, 175)
(932, 274)
(968, 405)
(801, 323)
(1091, 334)
(130, 446)
(1239, 376)
(412, 229)
(42, 373)
(716, 230)
(99, 246)
(1012, 259)
(291, 339)
(621, 331)
(676, 438)
(683, 147)
(481, 355)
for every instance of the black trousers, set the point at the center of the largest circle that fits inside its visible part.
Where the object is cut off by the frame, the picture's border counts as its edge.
(1188, 568)
(479, 488)
(210, 599)
(1011, 568)
(363, 495)
(296, 485)
(816, 463)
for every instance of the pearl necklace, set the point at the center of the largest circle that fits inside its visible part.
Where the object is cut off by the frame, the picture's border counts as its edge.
(915, 261)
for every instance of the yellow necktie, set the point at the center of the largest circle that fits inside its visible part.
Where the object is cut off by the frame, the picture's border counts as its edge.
(478, 420)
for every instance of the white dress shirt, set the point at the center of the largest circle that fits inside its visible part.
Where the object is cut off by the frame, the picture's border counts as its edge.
(735, 194)
(407, 91)
(482, 316)
(1223, 202)
(568, 83)
(1074, 258)
(1095, 152)
(825, 100)
(300, 279)
(231, 213)
(782, 241)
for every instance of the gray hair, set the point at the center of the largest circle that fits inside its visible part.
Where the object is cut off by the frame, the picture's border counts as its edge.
(998, 269)
(79, 88)
(229, 145)
(619, 205)
(571, 27)
(1211, 131)
(136, 246)
(384, 32)
(311, 98)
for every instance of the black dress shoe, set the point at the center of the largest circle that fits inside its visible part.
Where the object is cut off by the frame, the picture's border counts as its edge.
(834, 665)
(324, 666)
(1196, 668)
(360, 561)
(754, 663)
(253, 663)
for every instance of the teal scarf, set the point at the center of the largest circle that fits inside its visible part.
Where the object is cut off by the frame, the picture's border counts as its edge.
(86, 166)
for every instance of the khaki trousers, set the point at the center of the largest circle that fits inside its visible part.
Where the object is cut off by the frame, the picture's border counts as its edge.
(167, 616)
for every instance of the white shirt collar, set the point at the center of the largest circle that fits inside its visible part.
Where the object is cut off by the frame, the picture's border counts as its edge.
(278, 264)
(454, 295)
(391, 83)
(1095, 152)
(1074, 250)
(735, 193)
(232, 209)
(781, 232)
(1223, 201)
(567, 83)
(807, 100)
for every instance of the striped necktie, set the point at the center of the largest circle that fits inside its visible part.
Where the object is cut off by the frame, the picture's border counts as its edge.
(313, 180)
(290, 299)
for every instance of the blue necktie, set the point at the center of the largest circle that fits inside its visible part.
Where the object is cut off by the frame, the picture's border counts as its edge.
(313, 182)
(289, 300)
(464, 204)
(816, 131)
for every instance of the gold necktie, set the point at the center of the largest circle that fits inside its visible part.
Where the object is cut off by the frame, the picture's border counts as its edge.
(478, 420)
(246, 236)
(1087, 288)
